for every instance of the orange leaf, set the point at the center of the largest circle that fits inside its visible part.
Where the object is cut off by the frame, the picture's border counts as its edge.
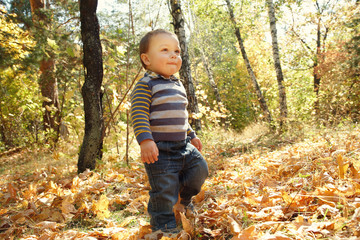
(178, 208)
(12, 191)
(341, 165)
(187, 225)
(30, 193)
(354, 172)
(146, 229)
(200, 196)
(234, 226)
(246, 234)
(67, 207)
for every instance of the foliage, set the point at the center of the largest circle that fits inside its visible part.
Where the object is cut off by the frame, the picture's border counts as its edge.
(222, 56)
(19, 109)
(340, 73)
(210, 36)
(299, 186)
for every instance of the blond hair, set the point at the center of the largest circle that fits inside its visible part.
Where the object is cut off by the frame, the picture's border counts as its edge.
(145, 41)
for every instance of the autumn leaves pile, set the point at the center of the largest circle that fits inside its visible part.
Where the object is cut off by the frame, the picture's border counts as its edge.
(304, 190)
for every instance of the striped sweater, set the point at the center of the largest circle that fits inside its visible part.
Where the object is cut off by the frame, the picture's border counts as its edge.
(158, 109)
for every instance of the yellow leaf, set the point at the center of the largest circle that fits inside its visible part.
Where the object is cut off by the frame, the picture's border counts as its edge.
(101, 207)
(341, 165)
(288, 199)
(52, 43)
(127, 221)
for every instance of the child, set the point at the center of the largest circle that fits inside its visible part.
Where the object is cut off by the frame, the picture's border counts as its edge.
(160, 121)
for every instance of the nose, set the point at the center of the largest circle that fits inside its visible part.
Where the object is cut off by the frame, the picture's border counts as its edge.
(173, 54)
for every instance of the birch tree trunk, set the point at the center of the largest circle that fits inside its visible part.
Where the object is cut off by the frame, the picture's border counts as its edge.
(277, 63)
(211, 78)
(259, 94)
(48, 81)
(91, 148)
(185, 71)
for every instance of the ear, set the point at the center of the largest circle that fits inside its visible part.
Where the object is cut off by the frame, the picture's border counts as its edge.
(145, 58)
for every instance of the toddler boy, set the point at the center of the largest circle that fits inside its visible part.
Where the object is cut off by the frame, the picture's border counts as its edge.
(169, 147)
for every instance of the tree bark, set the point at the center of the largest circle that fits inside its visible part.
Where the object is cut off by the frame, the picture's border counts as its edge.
(185, 71)
(320, 47)
(277, 63)
(3, 132)
(48, 81)
(259, 94)
(211, 79)
(317, 78)
(91, 148)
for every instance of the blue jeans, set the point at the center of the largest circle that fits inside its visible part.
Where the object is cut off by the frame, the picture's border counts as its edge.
(180, 169)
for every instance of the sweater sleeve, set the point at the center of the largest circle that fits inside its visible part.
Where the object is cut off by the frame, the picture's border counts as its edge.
(140, 111)
(190, 132)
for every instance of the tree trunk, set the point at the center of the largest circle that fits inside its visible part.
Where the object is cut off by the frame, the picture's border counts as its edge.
(185, 71)
(48, 81)
(259, 94)
(211, 79)
(317, 78)
(91, 148)
(3, 132)
(276, 56)
(320, 47)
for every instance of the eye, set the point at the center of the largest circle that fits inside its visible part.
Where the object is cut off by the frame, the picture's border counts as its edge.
(177, 51)
(164, 50)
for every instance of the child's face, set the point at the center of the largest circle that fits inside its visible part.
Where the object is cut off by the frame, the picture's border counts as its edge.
(163, 56)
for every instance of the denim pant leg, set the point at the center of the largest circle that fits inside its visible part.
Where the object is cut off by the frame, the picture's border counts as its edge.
(164, 181)
(193, 174)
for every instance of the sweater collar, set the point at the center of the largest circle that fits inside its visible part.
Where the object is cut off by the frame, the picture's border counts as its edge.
(152, 74)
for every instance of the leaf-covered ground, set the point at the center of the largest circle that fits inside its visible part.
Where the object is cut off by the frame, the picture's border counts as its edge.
(261, 189)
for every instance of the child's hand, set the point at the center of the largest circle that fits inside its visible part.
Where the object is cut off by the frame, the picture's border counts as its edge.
(197, 143)
(149, 151)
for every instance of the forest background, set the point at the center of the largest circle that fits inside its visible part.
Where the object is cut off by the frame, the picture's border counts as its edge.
(318, 42)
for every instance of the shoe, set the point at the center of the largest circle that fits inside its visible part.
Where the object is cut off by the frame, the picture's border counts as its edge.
(171, 230)
(190, 210)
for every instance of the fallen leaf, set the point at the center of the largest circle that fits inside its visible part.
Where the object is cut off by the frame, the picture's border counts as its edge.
(47, 225)
(67, 206)
(200, 196)
(187, 225)
(341, 166)
(100, 207)
(144, 230)
(276, 236)
(127, 221)
(12, 191)
(246, 234)
(234, 226)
